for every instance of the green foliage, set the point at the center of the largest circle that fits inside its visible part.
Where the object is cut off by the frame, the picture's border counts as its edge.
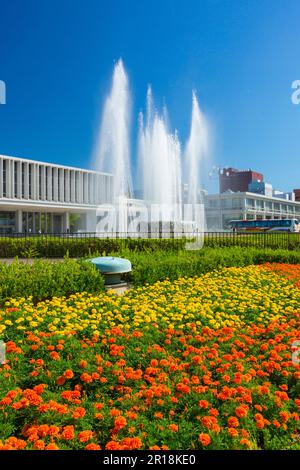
(152, 267)
(44, 279)
(56, 247)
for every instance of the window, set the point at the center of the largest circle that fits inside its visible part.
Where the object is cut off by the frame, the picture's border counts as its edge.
(250, 203)
(259, 204)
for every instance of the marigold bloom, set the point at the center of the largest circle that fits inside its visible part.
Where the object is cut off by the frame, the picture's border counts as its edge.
(68, 433)
(85, 436)
(52, 446)
(79, 412)
(205, 439)
(92, 446)
(68, 374)
(120, 422)
(173, 427)
(39, 445)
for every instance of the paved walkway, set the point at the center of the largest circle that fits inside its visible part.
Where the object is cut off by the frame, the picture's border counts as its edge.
(30, 260)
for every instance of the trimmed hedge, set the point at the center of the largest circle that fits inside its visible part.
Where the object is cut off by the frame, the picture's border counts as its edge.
(285, 241)
(162, 265)
(56, 247)
(45, 279)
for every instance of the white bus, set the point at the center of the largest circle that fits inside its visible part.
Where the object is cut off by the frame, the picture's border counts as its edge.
(265, 225)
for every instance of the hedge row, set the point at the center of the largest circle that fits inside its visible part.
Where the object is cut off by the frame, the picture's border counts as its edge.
(164, 265)
(39, 247)
(286, 241)
(45, 279)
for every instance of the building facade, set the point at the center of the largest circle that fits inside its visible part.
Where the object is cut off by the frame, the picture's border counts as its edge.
(221, 208)
(235, 180)
(41, 197)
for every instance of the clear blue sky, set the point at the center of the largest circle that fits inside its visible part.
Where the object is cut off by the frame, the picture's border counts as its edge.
(56, 58)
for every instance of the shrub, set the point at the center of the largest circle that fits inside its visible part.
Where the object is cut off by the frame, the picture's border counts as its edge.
(161, 265)
(56, 247)
(45, 279)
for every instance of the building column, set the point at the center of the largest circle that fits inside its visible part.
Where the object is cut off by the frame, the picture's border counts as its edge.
(49, 184)
(19, 180)
(9, 178)
(26, 180)
(19, 221)
(55, 184)
(43, 183)
(86, 188)
(61, 196)
(73, 186)
(67, 185)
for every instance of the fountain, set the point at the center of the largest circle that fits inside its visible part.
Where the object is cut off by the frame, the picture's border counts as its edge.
(160, 160)
(113, 150)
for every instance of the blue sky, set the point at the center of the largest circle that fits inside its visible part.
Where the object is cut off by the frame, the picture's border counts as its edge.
(241, 56)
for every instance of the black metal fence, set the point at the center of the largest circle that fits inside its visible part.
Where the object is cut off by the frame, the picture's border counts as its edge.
(85, 243)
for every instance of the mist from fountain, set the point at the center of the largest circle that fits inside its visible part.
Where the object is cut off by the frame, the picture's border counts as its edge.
(159, 155)
(195, 152)
(112, 153)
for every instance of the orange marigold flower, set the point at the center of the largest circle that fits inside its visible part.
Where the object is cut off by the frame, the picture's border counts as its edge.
(68, 433)
(68, 374)
(120, 422)
(43, 430)
(92, 446)
(52, 446)
(85, 436)
(245, 442)
(79, 412)
(53, 430)
(205, 439)
(131, 443)
(242, 411)
(173, 427)
(39, 445)
(203, 404)
(55, 356)
(113, 445)
(115, 412)
(233, 422)
(85, 377)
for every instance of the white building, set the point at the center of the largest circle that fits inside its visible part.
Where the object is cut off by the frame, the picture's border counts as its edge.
(43, 197)
(221, 208)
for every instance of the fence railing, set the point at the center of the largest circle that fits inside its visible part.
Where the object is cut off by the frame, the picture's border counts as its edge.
(85, 243)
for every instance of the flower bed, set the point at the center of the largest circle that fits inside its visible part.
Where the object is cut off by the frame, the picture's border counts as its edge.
(199, 363)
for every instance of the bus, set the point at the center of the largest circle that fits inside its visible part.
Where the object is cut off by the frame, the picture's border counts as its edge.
(265, 225)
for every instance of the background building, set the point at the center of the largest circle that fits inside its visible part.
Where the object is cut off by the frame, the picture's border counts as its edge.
(297, 194)
(42, 197)
(235, 180)
(257, 201)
